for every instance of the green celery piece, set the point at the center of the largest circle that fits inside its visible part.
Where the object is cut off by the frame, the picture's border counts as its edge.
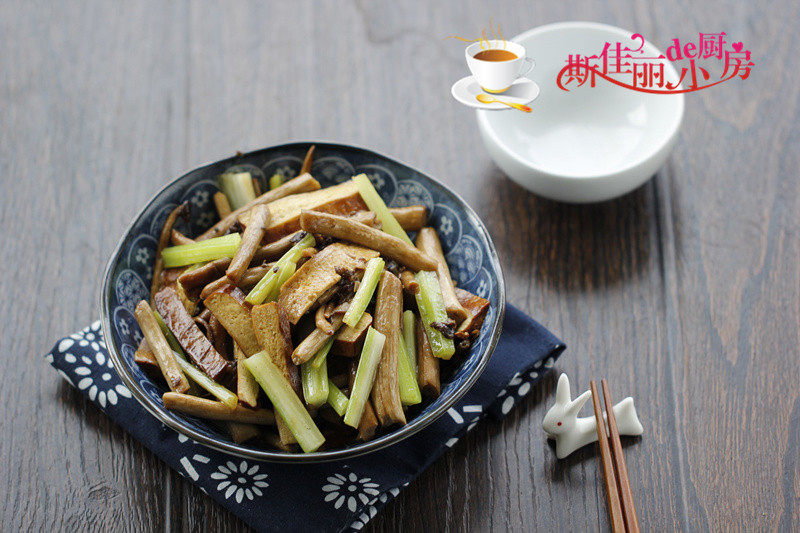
(372, 274)
(276, 180)
(238, 187)
(202, 251)
(431, 309)
(410, 338)
(322, 355)
(221, 393)
(407, 378)
(377, 205)
(315, 383)
(267, 285)
(284, 273)
(365, 376)
(337, 399)
(286, 403)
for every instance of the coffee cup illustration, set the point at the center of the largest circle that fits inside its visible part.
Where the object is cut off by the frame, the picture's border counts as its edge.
(496, 64)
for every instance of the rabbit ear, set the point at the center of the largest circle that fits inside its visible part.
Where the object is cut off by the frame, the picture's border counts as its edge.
(579, 402)
(563, 395)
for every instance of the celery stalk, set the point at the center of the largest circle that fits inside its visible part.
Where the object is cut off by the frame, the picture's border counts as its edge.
(284, 273)
(431, 309)
(407, 378)
(376, 204)
(365, 376)
(372, 274)
(410, 338)
(220, 392)
(286, 403)
(270, 284)
(322, 355)
(238, 187)
(315, 383)
(276, 180)
(202, 251)
(337, 399)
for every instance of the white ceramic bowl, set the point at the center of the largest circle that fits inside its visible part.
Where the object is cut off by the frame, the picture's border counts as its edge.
(589, 144)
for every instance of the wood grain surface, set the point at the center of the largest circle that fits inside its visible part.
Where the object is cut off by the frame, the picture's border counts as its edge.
(684, 293)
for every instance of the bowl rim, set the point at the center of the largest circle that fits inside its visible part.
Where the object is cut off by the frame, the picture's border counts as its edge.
(675, 125)
(248, 452)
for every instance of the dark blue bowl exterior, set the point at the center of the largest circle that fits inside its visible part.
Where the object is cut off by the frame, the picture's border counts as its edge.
(469, 251)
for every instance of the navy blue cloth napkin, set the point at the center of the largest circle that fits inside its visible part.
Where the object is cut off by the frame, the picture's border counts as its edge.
(333, 496)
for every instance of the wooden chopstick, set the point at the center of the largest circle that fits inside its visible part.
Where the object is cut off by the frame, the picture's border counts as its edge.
(621, 470)
(614, 509)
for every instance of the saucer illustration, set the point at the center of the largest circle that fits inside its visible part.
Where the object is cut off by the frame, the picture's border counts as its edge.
(521, 91)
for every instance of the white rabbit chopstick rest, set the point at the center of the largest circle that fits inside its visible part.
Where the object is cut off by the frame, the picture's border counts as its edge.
(570, 432)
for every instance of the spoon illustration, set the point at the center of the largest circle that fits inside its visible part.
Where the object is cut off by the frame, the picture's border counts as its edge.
(486, 99)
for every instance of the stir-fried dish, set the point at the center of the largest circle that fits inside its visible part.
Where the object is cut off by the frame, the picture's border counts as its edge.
(306, 318)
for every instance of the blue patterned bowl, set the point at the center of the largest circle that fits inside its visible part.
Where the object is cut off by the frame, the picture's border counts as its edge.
(469, 251)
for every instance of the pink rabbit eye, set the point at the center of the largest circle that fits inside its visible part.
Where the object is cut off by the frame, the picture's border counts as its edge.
(558, 424)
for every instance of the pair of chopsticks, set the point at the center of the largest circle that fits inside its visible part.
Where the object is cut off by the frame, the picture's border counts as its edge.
(621, 510)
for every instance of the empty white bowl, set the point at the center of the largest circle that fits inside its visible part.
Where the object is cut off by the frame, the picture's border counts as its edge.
(589, 144)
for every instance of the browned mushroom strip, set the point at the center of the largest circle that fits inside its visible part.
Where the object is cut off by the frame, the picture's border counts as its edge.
(302, 183)
(411, 218)
(202, 408)
(349, 230)
(257, 185)
(228, 305)
(385, 391)
(222, 204)
(315, 340)
(250, 240)
(246, 385)
(427, 364)
(161, 349)
(177, 238)
(409, 282)
(428, 242)
(308, 161)
(274, 250)
(191, 339)
(205, 274)
(323, 322)
(163, 241)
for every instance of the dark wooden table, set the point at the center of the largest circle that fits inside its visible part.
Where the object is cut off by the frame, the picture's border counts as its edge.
(684, 293)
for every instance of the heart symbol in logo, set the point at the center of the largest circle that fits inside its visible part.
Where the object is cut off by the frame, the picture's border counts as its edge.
(737, 46)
